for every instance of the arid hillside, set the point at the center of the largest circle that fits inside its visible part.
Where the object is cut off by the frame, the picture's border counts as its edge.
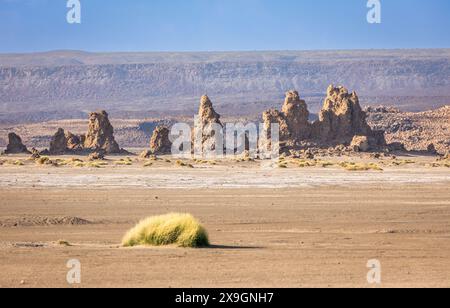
(66, 85)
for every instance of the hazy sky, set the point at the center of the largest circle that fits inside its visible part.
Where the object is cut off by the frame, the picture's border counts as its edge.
(222, 25)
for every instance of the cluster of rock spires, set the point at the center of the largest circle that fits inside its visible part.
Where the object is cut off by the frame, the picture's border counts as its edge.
(342, 124)
(99, 140)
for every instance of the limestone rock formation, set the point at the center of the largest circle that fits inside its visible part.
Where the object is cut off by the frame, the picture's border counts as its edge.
(15, 145)
(100, 135)
(271, 117)
(293, 120)
(296, 114)
(208, 120)
(341, 117)
(58, 144)
(340, 120)
(160, 142)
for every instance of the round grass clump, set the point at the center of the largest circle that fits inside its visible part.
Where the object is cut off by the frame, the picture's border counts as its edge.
(182, 230)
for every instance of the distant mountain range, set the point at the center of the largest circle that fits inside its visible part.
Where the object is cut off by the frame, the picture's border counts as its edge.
(68, 84)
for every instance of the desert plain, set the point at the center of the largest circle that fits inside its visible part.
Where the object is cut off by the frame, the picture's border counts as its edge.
(297, 226)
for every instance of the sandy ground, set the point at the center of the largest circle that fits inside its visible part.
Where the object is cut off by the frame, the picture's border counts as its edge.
(314, 227)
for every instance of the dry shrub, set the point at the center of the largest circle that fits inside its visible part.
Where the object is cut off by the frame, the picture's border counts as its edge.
(63, 243)
(182, 230)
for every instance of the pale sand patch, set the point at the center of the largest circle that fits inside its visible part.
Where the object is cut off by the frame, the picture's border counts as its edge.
(310, 237)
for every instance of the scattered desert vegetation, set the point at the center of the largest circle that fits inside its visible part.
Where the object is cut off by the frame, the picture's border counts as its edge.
(182, 230)
(124, 162)
(403, 162)
(351, 166)
(63, 243)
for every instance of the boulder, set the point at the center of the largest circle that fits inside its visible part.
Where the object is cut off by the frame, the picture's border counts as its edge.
(360, 144)
(432, 149)
(397, 146)
(98, 155)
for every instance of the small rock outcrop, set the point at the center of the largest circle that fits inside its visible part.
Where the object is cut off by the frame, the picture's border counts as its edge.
(160, 142)
(74, 142)
(15, 145)
(98, 155)
(360, 144)
(146, 154)
(58, 144)
(100, 135)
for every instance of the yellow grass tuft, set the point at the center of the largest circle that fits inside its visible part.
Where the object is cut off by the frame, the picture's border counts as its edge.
(79, 164)
(182, 230)
(96, 164)
(124, 162)
(324, 164)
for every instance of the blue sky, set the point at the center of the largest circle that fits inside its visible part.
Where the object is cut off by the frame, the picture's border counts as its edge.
(222, 25)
